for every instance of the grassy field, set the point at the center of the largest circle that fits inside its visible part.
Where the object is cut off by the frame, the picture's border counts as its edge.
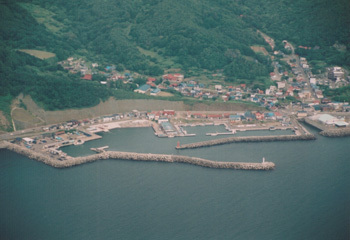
(43, 16)
(5, 112)
(165, 94)
(23, 119)
(165, 62)
(37, 53)
(260, 49)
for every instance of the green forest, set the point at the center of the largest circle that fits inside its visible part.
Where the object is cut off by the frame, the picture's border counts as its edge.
(150, 36)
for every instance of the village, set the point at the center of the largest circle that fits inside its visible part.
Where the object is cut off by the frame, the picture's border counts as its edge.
(293, 86)
(295, 95)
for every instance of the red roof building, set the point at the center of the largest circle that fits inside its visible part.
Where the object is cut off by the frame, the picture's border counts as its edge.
(214, 116)
(87, 77)
(259, 116)
(151, 79)
(169, 112)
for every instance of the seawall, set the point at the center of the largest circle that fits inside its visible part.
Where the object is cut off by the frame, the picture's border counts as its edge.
(343, 132)
(329, 131)
(247, 139)
(134, 157)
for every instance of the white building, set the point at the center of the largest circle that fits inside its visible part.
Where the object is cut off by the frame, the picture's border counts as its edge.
(281, 85)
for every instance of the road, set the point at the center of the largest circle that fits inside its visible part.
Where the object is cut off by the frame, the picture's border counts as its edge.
(305, 76)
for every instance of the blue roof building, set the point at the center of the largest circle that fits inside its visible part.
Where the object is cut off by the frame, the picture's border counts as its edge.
(143, 89)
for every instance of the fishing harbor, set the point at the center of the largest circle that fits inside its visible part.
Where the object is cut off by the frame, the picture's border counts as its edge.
(218, 128)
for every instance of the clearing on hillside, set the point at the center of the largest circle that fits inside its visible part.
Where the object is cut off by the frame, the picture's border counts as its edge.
(259, 49)
(23, 119)
(38, 54)
(44, 16)
(4, 123)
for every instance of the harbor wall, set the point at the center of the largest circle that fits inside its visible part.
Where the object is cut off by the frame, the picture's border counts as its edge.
(329, 131)
(246, 139)
(134, 157)
(342, 132)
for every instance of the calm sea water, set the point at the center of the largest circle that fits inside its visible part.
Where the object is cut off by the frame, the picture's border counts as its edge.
(307, 196)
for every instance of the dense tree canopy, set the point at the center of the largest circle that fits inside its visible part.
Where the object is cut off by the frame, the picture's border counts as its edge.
(148, 36)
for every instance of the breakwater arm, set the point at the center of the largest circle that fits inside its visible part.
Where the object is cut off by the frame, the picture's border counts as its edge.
(41, 157)
(345, 132)
(247, 139)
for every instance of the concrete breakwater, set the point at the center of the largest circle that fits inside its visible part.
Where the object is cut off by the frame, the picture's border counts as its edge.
(344, 132)
(135, 157)
(247, 139)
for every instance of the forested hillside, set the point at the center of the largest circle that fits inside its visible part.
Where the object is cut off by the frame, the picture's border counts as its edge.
(150, 36)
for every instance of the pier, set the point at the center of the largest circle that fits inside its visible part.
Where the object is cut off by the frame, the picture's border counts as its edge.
(246, 139)
(71, 161)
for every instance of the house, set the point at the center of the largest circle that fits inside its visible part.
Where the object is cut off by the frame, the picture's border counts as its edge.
(28, 140)
(218, 87)
(174, 77)
(87, 77)
(278, 116)
(155, 92)
(199, 115)
(150, 79)
(143, 89)
(335, 73)
(107, 118)
(168, 112)
(281, 85)
(326, 108)
(235, 118)
(214, 116)
(270, 116)
(179, 77)
(249, 116)
(301, 114)
(259, 116)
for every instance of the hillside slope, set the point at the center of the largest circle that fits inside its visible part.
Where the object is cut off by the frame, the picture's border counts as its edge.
(150, 36)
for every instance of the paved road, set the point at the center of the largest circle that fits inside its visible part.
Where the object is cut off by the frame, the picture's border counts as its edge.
(304, 75)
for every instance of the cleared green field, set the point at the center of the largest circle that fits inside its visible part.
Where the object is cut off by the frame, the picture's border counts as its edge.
(260, 49)
(44, 16)
(165, 62)
(37, 53)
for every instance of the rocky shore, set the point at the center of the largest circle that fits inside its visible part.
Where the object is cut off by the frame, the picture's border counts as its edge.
(247, 139)
(41, 157)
